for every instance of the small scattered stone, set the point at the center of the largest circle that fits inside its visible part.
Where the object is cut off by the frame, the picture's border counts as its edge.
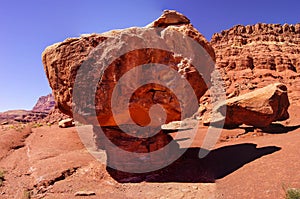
(66, 123)
(85, 193)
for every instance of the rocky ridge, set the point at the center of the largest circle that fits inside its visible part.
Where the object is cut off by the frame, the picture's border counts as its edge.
(261, 46)
(41, 110)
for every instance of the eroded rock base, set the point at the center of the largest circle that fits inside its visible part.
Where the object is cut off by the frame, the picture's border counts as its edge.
(132, 159)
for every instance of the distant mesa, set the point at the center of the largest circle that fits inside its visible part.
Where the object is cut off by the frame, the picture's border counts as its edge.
(44, 111)
(44, 104)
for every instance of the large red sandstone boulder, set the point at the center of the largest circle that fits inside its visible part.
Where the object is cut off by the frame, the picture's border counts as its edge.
(63, 60)
(258, 108)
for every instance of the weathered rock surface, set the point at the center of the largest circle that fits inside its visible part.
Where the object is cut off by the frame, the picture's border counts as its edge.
(255, 56)
(62, 61)
(84, 193)
(260, 46)
(54, 116)
(258, 108)
(170, 18)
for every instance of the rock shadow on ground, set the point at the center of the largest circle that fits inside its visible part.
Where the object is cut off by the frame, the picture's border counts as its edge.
(190, 169)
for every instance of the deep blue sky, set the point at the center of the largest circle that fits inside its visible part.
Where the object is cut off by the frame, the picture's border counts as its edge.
(28, 27)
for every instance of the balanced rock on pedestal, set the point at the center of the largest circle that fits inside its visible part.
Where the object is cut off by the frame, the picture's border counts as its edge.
(63, 63)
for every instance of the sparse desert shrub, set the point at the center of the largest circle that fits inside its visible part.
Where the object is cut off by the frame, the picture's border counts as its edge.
(37, 125)
(293, 193)
(11, 127)
(19, 127)
(27, 194)
(1, 177)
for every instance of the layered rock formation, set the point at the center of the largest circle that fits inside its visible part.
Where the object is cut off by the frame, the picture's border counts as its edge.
(44, 104)
(257, 55)
(261, 46)
(21, 116)
(42, 108)
(44, 111)
(254, 56)
(13, 116)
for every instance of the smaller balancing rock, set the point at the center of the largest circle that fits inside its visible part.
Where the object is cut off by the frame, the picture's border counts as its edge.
(170, 17)
(66, 123)
(258, 108)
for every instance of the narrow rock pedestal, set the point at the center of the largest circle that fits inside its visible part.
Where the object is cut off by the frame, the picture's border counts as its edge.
(132, 159)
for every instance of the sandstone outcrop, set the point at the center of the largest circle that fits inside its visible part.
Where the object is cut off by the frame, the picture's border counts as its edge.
(260, 46)
(258, 108)
(255, 56)
(54, 116)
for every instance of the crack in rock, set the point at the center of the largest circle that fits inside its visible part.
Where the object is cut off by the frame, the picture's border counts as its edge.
(63, 175)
